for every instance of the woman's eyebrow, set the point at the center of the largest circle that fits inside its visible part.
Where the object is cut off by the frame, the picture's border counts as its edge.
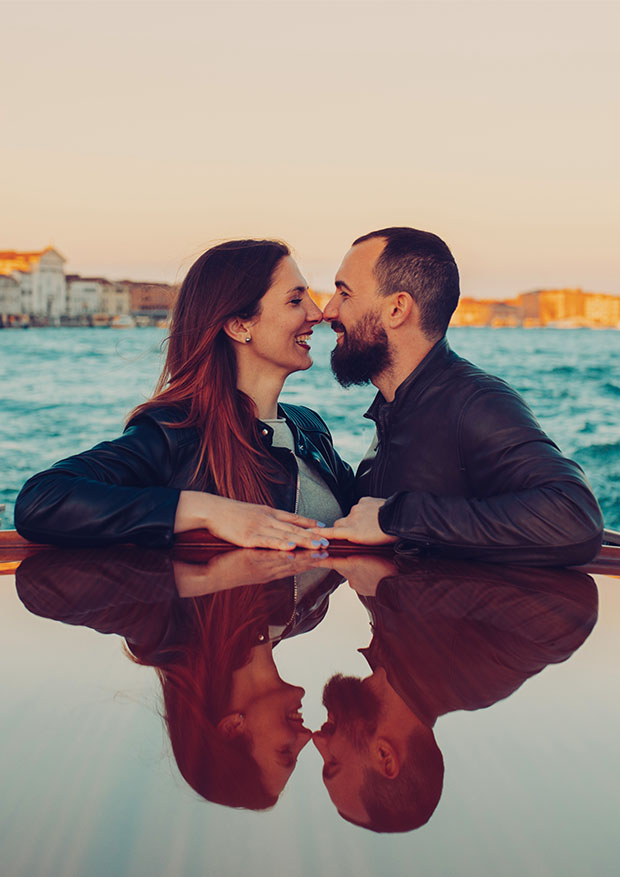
(297, 289)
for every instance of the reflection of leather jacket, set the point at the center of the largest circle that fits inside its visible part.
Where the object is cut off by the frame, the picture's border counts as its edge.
(468, 471)
(456, 636)
(127, 490)
(132, 592)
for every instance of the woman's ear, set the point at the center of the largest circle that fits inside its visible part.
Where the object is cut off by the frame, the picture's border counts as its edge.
(231, 725)
(238, 330)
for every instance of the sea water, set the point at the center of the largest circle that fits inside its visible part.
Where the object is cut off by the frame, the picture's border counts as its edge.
(64, 390)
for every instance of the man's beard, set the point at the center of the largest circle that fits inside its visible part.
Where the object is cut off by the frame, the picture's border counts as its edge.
(354, 708)
(363, 352)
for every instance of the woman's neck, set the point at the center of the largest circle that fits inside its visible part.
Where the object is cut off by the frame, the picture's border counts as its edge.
(263, 390)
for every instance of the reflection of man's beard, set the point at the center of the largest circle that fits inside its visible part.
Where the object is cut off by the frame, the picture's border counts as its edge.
(353, 707)
(362, 353)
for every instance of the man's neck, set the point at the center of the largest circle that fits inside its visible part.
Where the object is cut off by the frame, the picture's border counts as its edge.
(405, 358)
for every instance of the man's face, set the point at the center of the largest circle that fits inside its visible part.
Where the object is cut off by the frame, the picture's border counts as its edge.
(353, 711)
(355, 312)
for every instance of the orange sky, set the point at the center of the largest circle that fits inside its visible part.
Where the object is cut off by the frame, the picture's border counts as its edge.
(135, 134)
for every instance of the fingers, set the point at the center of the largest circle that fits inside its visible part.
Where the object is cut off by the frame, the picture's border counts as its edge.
(335, 532)
(292, 518)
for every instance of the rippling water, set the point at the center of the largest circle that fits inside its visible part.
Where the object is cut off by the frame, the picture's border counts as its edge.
(63, 390)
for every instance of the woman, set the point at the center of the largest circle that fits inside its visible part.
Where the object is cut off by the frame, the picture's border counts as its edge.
(212, 449)
(234, 724)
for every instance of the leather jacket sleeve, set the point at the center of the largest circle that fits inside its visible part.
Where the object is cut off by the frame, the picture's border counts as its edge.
(528, 503)
(112, 493)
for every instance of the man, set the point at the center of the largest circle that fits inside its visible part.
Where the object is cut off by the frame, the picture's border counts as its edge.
(446, 637)
(460, 465)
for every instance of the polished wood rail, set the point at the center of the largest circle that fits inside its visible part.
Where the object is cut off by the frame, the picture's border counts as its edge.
(14, 548)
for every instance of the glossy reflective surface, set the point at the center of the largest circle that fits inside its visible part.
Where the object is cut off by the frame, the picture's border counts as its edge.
(489, 693)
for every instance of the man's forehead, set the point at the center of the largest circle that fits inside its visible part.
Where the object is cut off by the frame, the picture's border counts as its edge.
(359, 262)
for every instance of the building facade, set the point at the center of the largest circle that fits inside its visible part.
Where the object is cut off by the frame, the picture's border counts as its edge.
(41, 278)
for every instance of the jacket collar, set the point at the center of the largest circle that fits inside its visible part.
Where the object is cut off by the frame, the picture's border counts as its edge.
(435, 361)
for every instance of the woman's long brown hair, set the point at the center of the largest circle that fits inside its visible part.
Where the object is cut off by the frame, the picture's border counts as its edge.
(217, 634)
(200, 372)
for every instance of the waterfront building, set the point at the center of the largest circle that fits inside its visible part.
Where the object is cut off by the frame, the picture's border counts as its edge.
(116, 298)
(85, 295)
(10, 299)
(41, 278)
(149, 298)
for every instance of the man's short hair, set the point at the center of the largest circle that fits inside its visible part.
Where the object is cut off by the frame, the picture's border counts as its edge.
(421, 264)
(409, 800)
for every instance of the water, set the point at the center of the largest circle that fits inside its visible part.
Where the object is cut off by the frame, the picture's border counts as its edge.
(63, 390)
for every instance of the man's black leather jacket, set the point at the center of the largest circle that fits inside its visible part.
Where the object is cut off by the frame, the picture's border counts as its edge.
(127, 490)
(468, 471)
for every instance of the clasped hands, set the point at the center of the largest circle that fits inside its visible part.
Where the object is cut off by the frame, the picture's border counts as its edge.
(251, 525)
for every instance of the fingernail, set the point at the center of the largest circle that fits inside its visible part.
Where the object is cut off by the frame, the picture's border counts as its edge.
(319, 555)
(324, 543)
(291, 544)
(316, 543)
(321, 524)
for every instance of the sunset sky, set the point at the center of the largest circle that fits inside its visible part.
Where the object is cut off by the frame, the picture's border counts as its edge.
(136, 134)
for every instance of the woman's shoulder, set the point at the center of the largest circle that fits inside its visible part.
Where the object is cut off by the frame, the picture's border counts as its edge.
(167, 418)
(304, 418)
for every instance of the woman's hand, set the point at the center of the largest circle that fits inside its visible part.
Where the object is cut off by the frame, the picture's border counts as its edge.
(244, 523)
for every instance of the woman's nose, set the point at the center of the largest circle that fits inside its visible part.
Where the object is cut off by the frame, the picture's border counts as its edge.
(314, 314)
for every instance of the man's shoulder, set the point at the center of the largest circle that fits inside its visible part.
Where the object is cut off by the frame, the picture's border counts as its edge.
(473, 377)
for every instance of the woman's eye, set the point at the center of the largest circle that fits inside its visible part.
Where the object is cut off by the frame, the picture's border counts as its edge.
(295, 301)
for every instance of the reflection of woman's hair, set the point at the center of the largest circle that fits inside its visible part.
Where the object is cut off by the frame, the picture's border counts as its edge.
(220, 631)
(200, 372)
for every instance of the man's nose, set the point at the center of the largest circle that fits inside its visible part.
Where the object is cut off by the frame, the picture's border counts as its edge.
(330, 311)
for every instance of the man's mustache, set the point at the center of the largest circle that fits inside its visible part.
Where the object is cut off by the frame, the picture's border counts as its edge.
(337, 327)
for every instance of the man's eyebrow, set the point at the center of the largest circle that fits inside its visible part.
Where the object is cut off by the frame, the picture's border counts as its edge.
(340, 284)
(330, 771)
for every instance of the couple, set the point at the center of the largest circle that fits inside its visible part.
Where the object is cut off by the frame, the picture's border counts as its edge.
(459, 466)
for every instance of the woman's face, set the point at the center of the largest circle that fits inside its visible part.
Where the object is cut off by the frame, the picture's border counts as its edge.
(274, 723)
(281, 333)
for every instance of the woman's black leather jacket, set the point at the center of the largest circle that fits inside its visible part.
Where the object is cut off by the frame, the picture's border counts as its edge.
(127, 490)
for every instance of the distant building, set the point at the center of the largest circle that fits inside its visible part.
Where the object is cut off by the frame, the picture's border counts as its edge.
(150, 297)
(558, 308)
(10, 298)
(116, 298)
(41, 278)
(85, 295)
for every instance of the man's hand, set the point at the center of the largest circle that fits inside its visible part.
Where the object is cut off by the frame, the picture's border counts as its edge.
(361, 525)
(362, 571)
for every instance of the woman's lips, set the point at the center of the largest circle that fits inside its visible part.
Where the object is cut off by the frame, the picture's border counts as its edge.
(303, 340)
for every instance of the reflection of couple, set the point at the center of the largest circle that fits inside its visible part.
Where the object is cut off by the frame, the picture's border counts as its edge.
(459, 464)
(446, 637)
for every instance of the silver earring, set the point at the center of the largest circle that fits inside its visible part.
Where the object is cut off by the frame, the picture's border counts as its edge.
(248, 339)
